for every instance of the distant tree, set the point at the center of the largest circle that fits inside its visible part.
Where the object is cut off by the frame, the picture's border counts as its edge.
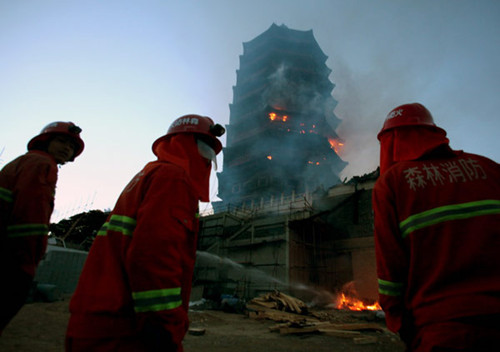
(79, 230)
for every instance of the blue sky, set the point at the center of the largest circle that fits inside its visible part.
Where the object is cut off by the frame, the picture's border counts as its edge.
(124, 70)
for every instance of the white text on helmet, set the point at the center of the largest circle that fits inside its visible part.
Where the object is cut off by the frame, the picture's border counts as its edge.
(186, 121)
(395, 113)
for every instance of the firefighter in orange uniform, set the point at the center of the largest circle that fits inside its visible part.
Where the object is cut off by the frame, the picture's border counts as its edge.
(133, 293)
(437, 237)
(27, 188)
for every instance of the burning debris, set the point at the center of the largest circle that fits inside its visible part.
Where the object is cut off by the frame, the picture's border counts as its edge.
(353, 303)
(349, 299)
(294, 317)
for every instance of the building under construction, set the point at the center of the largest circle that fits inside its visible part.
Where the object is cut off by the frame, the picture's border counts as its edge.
(285, 221)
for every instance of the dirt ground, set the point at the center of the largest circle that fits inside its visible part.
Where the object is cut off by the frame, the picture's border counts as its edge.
(40, 327)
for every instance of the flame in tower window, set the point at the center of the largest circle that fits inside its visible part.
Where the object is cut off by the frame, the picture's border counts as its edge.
(276, 117)
(336, 144)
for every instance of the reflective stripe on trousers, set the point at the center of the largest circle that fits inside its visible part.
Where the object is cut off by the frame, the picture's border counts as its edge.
(156, 300)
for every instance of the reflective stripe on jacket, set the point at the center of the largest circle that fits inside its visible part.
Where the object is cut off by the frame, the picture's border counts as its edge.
(448, 213)
(27, 187)
(140, 265)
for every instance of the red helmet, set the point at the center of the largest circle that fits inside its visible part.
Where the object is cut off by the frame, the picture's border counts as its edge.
(59, 127)
(409, 115)
(195, 124)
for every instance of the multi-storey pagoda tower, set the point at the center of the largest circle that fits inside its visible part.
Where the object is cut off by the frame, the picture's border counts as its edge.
(281, 136)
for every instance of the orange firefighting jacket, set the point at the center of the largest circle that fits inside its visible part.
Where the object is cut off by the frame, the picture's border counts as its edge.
(27, 187)
(140, 266)
(437, 238)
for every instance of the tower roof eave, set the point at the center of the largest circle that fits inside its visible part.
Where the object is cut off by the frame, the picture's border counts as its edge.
(293, 36)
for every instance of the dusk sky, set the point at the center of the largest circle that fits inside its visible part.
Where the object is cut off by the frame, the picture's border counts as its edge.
(124, 70)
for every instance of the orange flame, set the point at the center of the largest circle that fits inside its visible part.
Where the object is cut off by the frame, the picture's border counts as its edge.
(275, 117)
(336, 144)
(348, 299)
(352, 303)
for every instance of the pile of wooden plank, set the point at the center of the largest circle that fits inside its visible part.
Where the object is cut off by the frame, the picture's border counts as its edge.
(280, 301)
(293, 318)
(349, 330)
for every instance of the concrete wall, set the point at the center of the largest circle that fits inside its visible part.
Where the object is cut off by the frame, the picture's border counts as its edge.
(361, 253)
(61, 267)
(365, 273)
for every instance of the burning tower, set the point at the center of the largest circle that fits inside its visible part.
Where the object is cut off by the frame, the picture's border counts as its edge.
(281, 136)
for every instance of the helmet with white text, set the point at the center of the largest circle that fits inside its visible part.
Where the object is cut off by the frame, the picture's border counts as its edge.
(414, 114)
(203, 126)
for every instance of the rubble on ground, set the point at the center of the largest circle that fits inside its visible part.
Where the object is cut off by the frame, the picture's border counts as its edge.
(294, 317)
